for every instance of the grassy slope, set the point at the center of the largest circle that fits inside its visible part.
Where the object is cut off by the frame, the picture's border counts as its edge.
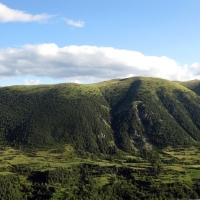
(162, 111)
(193, 85)
(132, 111)
(38, 115)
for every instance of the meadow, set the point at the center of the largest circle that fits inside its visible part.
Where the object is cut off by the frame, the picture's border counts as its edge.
(145, 170)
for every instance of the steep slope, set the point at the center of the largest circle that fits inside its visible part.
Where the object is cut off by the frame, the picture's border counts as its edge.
(130, 113)
(152, 111)
(67, 113)
(193, 85)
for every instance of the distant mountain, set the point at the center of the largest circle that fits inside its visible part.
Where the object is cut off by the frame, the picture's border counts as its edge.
(126, 114)
(193, 85)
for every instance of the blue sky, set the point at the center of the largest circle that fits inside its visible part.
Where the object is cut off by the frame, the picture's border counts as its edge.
(53, 41)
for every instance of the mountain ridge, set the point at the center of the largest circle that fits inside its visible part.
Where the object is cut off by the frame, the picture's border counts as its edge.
(126, 114)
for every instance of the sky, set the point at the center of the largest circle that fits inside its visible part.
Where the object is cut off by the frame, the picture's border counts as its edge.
(84, 41)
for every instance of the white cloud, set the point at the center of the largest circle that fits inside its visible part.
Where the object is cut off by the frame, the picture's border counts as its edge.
(89, 64)
(76, 81)
(195, 66)
(10, 15)
(78, 24)
(31, 82)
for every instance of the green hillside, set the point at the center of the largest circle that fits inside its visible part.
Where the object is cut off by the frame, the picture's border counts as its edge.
(35, 116)
(128, 114)
(155, 111)
(193, 85)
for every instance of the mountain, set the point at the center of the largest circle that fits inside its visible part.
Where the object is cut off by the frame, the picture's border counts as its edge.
(126, 114)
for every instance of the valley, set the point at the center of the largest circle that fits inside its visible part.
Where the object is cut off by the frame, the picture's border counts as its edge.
(146, 171)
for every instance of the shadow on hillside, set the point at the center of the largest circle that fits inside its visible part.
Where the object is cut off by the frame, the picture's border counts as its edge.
(120, 112)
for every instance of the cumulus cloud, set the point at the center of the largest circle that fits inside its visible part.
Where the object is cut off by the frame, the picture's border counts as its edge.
(31, 82)
(89, 63)
(10, 15)
(78, 24)
(76, 81)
